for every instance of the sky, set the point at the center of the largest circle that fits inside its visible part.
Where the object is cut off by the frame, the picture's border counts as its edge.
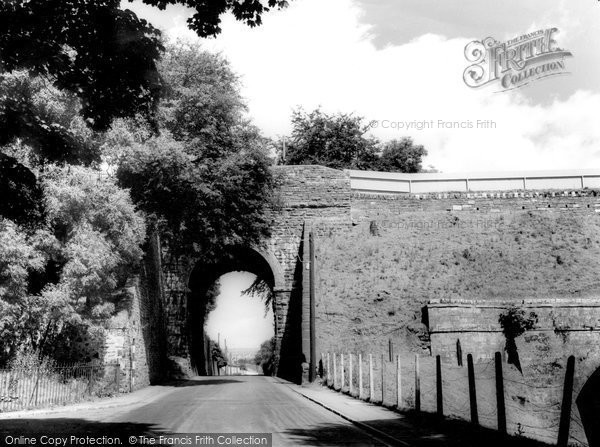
(239, 319)
(394, 61)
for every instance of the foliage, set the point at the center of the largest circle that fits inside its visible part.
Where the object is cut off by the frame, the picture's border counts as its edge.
(217, 356)
(104, 55)
(20, 191)
(46, 119)
(514, 323)
(336, 141)
(206, 182)
(62, 275)
(29, 361)
(266, 358)
(69, 70)
(205, 21)
(401, 156)
(339, 141)
(201, 99)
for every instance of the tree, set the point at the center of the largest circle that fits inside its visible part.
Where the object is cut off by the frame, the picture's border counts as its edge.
(401, 156)
(514, 323)
(60, 276)
(337, 141)
(206, 182)
(205, 21)
(266, 358)
(218, 356)
(105, 55)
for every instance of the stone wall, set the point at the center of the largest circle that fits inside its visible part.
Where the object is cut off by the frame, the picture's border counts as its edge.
(376, 206)
(312, 197)
(565, 326)
(135, 337)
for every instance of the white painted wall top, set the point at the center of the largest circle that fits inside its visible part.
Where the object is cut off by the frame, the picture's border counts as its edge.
(397, 183)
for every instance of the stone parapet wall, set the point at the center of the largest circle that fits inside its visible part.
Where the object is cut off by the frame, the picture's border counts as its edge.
(373, 206)
(565, 326)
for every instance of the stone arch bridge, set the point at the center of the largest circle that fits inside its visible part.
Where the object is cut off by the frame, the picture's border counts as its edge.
(326, 201)
(310, 197)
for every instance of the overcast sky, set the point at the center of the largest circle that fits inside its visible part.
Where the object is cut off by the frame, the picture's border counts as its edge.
(239, 319)
(403, 61)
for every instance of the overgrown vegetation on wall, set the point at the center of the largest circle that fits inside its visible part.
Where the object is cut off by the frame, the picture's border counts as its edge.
(373, 284)
(72, 233)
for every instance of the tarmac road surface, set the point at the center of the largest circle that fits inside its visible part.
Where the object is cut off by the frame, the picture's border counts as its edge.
(227, 404)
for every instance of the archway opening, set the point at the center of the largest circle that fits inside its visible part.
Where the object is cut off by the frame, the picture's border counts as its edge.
(239, 322)
(205, 294)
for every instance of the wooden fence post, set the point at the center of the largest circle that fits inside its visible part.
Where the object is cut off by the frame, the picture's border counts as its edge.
(371, 381)
(360, 376)
(472, 390)
(118, 377)
(438, 386)
(391, 350)
(417, 385)
(342, 371)
(334, 370)
(350, 384)
(382, 378)
(328, 369)
(501, 406)
(565, 411)
(398, 383)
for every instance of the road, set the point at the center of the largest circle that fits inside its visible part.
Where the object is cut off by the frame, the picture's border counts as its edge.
(249, 404)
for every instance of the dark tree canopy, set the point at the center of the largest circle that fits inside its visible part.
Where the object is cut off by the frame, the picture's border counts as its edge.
(105, 55)
(207, 18)
(401, 156)
(339, 141)
(205, 181)
(21, 201)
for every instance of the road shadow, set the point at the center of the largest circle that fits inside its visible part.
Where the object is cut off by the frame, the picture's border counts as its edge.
(200, 382)
(432, 430)
(413, 430)
(67, 427)
(331, 435)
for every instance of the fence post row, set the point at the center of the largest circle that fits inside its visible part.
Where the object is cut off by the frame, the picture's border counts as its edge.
(566, 407)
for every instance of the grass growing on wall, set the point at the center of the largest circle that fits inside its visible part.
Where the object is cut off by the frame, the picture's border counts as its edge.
(373, 282)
